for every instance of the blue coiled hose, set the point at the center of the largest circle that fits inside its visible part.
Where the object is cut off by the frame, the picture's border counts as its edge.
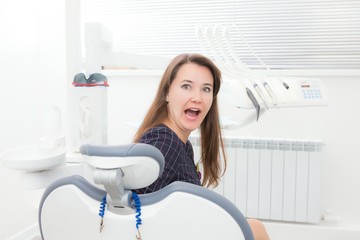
(138, 208)
(102, 207)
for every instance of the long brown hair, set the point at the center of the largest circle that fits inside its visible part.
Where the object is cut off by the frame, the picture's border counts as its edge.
(211, 137)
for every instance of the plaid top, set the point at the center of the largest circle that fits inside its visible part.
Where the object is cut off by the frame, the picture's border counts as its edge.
(179, 158)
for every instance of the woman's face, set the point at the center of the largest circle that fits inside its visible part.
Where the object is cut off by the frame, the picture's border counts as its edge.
(189, 99)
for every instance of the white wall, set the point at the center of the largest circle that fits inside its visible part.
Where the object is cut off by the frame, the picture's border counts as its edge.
(32, 69)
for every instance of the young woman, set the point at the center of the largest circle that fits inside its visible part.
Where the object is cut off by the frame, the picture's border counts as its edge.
(186, 100)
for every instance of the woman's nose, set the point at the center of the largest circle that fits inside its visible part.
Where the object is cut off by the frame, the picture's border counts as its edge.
(196, 97)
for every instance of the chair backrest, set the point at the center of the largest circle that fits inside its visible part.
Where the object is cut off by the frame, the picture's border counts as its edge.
(69, 210)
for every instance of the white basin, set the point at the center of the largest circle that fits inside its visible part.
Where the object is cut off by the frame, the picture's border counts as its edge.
(33, 158)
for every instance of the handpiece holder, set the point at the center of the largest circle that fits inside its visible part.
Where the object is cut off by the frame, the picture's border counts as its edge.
(121, 168)
(117, 196)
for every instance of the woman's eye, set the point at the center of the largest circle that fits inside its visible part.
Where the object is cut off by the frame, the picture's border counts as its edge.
(207, 89)
(186, 86)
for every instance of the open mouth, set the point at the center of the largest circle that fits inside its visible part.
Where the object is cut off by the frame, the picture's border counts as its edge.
(192, 112)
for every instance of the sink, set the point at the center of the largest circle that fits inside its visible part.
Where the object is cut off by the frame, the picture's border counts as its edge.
(33, 158)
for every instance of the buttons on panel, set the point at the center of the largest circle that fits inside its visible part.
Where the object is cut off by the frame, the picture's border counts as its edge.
(310, 90)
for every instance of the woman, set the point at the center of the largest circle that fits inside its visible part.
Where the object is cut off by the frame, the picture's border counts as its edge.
(186, 100)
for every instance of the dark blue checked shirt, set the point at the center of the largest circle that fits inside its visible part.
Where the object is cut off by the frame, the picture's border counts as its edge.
(179, 158)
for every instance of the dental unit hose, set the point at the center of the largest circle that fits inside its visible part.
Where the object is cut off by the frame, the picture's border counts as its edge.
(270, 92)
(254, 101)
(138, 213)
(261, 95)
(137, 205)
(102, 212)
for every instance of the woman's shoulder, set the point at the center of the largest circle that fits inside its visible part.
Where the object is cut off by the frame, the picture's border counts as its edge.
(164, 139)
(158, 133)
(159, 129)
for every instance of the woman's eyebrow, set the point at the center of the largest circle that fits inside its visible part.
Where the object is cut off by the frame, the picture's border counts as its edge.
(190, 81)
(187, 80)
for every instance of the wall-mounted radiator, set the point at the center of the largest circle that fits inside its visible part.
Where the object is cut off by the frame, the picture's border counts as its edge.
(272, 179)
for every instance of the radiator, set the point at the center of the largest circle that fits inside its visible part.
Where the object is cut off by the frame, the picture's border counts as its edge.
(272, 179)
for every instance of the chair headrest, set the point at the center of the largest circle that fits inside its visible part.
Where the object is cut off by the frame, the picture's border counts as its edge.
(140, 163)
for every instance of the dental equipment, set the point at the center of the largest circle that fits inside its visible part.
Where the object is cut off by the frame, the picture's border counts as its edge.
(213, 35)
(262, 62)
(179, 211)
(216, 34)
(47, 154)
(88, 110)
(271, 89)
(243, 67)
(212, 46)
(254, 101)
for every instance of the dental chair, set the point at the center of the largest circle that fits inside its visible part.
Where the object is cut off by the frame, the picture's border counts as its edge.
(102, 205)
